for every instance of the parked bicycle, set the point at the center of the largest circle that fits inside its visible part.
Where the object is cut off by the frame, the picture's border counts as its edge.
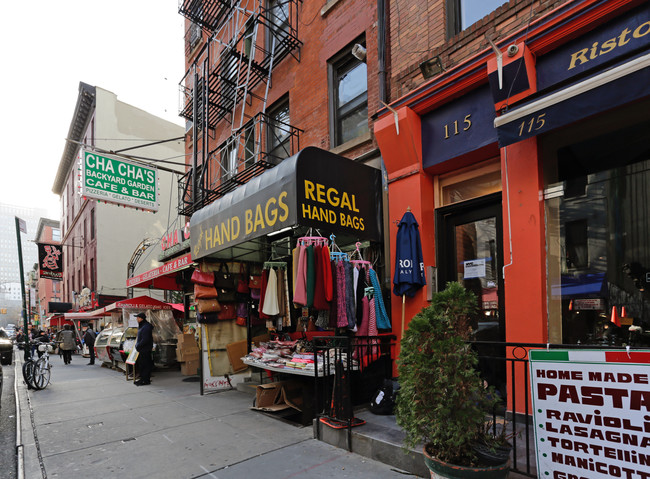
(37, 373)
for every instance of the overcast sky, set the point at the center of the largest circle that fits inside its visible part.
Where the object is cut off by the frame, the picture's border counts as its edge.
(133, 48)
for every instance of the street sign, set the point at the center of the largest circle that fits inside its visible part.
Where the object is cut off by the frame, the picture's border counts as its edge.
(591, 413)
(119, 181)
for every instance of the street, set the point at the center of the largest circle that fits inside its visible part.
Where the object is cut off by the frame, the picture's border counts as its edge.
(91, 422)
(8, 425)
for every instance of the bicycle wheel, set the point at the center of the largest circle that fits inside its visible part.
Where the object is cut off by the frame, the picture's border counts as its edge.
(41, 374)
(28, 373)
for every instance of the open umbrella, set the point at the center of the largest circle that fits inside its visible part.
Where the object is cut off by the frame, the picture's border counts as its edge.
(409, 266)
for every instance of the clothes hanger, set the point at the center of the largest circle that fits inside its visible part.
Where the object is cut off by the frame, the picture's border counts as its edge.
(361, 262)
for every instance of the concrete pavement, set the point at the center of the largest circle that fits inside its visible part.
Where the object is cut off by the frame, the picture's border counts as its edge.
(91, 422)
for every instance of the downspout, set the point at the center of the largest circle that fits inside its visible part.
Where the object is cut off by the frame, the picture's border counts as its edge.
(381, 49)
(195, 117)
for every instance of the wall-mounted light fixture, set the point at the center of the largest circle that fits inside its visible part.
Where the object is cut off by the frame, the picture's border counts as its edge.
(431, 67)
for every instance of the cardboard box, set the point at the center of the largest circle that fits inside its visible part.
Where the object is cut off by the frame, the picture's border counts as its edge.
(237, 350)
(190, 354)
(190, 368)
(278, 396)
(184, 340)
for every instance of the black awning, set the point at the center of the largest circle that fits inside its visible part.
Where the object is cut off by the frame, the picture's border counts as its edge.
(56, 307)
(313, 188)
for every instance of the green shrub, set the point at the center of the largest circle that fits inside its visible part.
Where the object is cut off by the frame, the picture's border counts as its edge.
(442, 400)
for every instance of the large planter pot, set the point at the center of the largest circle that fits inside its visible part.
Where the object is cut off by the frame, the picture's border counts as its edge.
(442, 470)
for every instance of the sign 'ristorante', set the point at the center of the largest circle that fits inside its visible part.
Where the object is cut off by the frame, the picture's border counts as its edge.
(119, 181)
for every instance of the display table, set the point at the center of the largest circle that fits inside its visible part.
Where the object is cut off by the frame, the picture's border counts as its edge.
(261, 365)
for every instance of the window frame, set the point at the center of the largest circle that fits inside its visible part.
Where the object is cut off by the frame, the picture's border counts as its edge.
(454, 17)
(343, 60)
(271, 146)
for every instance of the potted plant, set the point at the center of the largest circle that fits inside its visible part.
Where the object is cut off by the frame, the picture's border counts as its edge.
(443, 402)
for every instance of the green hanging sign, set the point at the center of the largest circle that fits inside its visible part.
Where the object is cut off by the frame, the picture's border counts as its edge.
(119, 181)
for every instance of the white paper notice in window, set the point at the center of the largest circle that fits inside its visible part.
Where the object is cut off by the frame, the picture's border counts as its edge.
(474, 268)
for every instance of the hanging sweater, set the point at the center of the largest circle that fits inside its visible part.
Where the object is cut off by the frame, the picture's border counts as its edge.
(311, 276)
(271, 306)
(350, 307)
(320, 302)
(383, 322)
(300, 292)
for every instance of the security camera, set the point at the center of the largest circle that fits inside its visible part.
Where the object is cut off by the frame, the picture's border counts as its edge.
(359, 52)
(513, 50)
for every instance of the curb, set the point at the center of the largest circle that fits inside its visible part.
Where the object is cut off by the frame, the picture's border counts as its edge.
(30, 463)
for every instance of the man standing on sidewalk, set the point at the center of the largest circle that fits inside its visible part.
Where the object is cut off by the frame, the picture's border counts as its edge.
(89, 340)
(66, 343)
(144, 346)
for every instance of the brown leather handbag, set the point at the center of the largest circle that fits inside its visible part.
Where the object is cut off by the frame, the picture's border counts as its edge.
(228, 311)
(208, 305)
(205, 292)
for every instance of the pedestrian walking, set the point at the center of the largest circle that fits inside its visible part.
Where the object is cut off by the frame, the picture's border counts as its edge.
(89, 340)
(67, 343)
(144, 346)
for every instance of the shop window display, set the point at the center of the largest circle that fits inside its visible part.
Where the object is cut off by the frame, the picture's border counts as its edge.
(598, 239)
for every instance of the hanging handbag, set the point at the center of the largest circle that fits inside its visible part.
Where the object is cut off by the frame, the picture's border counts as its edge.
(228, 311)
(256, 293)
(207, 318)
(227, 295)
(223, 279)
(199, 277)
(255, 281)
(242, 281)
(204, 292)
(242, 310)
(240, 321)
(208, 305)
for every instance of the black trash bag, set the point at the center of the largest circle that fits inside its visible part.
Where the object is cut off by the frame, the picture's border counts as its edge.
(383, 401)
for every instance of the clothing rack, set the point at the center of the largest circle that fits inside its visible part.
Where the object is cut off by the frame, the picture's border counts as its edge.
(335, 252)
(311, 239)
(275, 264)
(361, 262)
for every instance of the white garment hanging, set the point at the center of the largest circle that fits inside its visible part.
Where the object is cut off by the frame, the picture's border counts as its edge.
(355, 280)
(271, 306)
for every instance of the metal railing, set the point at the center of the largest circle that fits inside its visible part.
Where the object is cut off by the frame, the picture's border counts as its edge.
(505, 367)
(259, 145)
(348, 371)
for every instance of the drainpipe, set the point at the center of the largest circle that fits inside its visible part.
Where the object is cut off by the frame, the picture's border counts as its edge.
(381, 49)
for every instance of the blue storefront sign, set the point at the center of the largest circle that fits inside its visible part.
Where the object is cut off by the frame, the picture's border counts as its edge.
(458, 127)
(621, 37)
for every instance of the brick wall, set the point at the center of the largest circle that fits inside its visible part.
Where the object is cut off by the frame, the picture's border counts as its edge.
(323, 35)
(418, 31)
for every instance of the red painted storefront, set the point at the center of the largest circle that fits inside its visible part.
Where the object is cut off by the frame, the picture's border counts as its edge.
(414, 138)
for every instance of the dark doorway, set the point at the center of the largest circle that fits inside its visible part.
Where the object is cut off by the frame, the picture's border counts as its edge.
(469, 245)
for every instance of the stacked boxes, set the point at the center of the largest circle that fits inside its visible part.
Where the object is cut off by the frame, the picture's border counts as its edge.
(187, 353)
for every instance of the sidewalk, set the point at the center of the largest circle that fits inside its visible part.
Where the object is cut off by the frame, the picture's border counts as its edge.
(91, 422)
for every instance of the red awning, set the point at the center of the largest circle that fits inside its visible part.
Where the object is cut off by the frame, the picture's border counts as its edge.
(141, 302)
(163, 277)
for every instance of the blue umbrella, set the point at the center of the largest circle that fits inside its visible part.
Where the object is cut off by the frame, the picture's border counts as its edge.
(409, 266)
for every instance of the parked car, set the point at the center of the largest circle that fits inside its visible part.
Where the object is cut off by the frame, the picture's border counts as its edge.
(120, 345)
(101, 346)
(6, 347)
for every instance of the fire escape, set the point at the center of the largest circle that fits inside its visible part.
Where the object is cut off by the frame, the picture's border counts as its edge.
(227, 86)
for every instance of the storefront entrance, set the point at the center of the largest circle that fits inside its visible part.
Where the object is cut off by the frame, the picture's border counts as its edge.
(469, 251)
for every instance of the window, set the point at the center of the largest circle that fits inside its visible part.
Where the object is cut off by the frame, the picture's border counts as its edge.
(279, 132)
(228, 161)
(92, 274)
(465, 13)
(279, 27)
(92, 223)
(349, 97)
(56, 234)
(577, 253)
